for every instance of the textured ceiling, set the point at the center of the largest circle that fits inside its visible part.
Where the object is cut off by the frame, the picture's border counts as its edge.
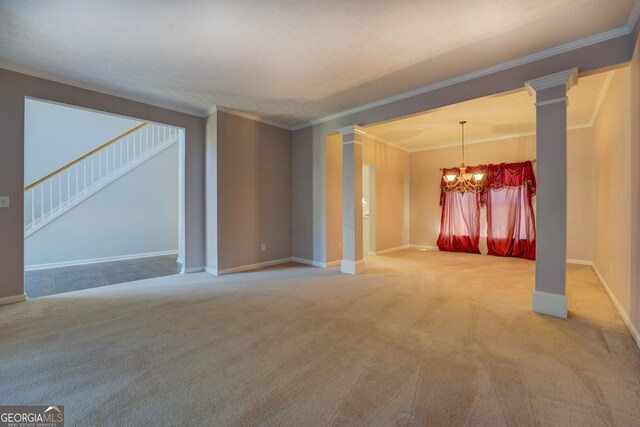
(287, 61)
(489, 118)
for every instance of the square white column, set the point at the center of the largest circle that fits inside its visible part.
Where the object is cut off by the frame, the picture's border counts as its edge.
(352, 255)
(551, 204)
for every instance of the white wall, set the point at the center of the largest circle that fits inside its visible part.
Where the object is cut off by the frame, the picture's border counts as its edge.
(56, 134)
(136, 214)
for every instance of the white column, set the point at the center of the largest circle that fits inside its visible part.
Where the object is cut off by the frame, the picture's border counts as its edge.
(551, 204)
(352, 259)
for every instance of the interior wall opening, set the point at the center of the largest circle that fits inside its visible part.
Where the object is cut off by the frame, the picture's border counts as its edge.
(104, 198)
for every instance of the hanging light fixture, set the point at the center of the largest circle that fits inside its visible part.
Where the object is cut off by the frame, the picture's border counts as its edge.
(471, 181)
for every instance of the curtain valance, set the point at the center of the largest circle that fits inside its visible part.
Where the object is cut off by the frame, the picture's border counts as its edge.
(495, 176)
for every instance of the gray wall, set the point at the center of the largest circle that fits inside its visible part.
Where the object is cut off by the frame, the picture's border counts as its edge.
(254, 163)
(136, 214)
(14, 87)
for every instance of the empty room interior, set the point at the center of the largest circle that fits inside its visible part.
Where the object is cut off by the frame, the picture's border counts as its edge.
(320, 213)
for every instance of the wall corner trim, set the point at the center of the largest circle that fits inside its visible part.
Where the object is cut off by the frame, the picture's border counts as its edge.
(352, 267)
(635, 334)
(211, 271)
(13, 299)
(193, 270)
(550, 304)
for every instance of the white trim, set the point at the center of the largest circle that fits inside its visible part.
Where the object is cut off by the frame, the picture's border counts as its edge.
(633, 16)
(192, 270)
(553, 101)
(386, 251)
(635, 334)
(13, 299)
(255, 266)
(96, 88)
(550, 304)
(352, 267)
(34, 267)
(567, 47)
(180, 260)
(301, 260)
(568, 78)
(491, 139)
(425, 247)
(579, 261)
(211, 271)
(249, 116)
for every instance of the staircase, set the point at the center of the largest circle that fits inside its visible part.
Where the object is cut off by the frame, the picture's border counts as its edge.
(57, 193)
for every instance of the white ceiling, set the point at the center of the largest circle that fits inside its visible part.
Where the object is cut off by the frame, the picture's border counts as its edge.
(283, 60)
(493, 117)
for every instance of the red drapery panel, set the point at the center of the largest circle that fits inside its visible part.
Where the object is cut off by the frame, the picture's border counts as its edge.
(511, 227)
(460, 222)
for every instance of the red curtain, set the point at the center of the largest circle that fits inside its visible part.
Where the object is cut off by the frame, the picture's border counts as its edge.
(511, 227)
(460, 222)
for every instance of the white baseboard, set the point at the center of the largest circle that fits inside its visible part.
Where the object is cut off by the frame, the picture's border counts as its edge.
(424, 247)
(97, 260)
(550, 304)
(397, 248)
(301, 260)
(320, 264)
(352, 267)
(13, 299)
(248, 267)
(625, 317)
(579, 261)
(192, 270)
(211, 271)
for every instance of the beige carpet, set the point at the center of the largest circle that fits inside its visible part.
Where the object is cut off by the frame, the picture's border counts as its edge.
(423, 338)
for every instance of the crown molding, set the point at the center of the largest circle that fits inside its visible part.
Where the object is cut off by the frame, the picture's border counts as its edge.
(491, 139)
(96, 88)
(633, 16)
(567, 47)
(245, 115)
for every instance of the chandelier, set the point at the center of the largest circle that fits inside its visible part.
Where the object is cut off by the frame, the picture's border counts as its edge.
(464, 181)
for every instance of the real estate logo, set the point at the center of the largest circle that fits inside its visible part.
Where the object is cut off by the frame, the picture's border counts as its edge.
(32, 416)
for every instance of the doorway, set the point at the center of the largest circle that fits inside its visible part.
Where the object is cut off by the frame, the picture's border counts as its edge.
(368, 209)
(104, 198)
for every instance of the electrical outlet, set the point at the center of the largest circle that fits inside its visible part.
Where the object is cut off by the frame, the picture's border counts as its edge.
(4, 202)
(263, 247)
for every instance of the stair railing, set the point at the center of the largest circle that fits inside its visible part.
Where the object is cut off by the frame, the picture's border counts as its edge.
(61, 188)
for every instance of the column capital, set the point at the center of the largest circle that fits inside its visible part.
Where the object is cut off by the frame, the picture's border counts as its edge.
(351, 130)
(568, 78)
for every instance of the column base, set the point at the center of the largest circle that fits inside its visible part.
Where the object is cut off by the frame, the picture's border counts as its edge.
(352, 267)
(550, 304)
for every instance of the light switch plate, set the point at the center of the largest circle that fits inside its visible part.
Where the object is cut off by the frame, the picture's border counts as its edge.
(4, 202)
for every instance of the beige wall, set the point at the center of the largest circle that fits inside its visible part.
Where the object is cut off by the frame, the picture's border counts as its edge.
(254, 192)
(425, 185)
(612, 191)
(634, 291)
(617, 163)
(13, 89)
(392, 194)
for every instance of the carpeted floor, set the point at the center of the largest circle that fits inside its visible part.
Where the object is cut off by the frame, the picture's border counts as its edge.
(422, 338)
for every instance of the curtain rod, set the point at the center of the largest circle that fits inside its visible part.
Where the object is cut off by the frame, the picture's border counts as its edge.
(532, 161)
